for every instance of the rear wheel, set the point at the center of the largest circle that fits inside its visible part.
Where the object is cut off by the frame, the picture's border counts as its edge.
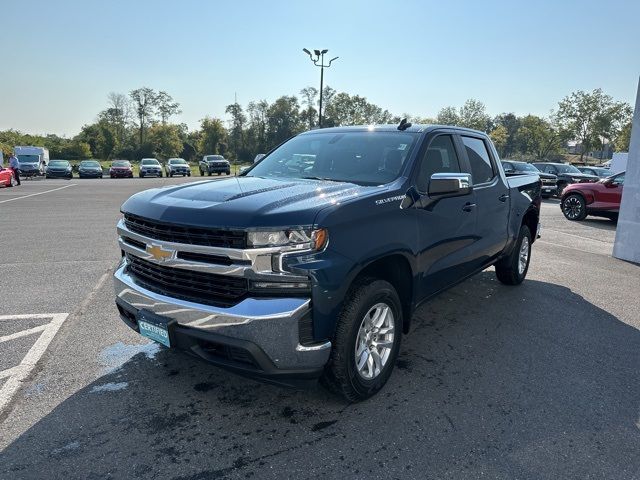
(574, 207)
(366, 342)
(513, 269)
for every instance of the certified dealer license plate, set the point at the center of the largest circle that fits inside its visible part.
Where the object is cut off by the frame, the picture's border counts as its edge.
(154, 327)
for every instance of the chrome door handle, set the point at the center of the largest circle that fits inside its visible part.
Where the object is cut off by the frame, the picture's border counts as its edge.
(503, 197)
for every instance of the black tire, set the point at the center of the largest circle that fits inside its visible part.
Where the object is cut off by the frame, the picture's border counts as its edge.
(140, 175)
(201, 173)
(507, 269)
(341, 372)
(209, 173)
(574, 207)
(219, 173)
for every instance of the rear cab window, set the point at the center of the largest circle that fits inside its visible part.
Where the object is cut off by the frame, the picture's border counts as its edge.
(483, 170)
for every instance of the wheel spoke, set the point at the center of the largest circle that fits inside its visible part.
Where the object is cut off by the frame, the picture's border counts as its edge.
(383, 343)
(385, 330)
(373, 319)
(375, 356)
(382, 318)
(370, 366)
(363, 358)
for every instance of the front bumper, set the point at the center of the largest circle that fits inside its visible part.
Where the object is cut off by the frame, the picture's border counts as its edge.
(218, 168)
(90, 173)
(59, 174)
(258, 337)
(121, 173)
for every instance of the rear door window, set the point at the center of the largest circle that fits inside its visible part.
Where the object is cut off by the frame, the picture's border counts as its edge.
(482, 168)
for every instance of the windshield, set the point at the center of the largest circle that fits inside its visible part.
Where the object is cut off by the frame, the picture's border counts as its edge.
(28, 158)
(525, 167)
(601, 172)
(176, 161)
(88, 163)
(567, 169)
(364, 158)
(210, 158)
(121, 163)
(149, 161)
(58, 163)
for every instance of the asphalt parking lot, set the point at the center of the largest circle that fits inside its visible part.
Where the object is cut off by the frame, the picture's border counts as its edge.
(536, 381)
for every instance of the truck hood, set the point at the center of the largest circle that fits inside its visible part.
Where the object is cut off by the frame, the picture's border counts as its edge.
(243, 202)
(581, 176)
(548, 176)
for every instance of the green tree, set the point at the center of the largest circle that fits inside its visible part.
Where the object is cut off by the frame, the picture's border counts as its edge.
(145, 102)
(448, 116)
(212, 137)
(537, 137)
(500, 136)
(346, 109)
(592, 118)
(473, 115)
(624, 138)
(166, 106)
(165, 140)
(511, 124)
(283, 120)
(256, 134)
(236, 131)
(309, 115)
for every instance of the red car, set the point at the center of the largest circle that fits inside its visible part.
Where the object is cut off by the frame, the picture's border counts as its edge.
(7, 178)
(601, 199)
(121, 168)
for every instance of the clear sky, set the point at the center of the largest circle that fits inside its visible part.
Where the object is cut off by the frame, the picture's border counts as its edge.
(60, 59)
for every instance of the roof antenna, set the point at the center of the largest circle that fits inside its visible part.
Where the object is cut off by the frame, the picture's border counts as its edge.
(404, 125)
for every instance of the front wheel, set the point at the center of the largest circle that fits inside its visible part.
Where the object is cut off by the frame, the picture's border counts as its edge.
(366, 342)
(513, 269)
(574, 207)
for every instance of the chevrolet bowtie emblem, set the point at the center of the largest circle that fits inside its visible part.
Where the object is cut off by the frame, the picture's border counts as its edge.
(159, 253)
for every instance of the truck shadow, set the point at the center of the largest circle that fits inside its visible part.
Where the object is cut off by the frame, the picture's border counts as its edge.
(528, 382)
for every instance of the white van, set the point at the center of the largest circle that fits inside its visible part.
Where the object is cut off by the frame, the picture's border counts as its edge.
(33, 160)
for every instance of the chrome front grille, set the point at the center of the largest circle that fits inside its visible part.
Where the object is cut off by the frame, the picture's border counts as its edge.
(184, 234)
(190, 285)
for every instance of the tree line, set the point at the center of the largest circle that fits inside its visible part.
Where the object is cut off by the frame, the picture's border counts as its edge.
(138, 124)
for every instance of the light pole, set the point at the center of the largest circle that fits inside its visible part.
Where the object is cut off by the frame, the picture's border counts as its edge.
(319, 56)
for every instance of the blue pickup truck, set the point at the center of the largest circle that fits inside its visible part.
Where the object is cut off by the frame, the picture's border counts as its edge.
(311, 263)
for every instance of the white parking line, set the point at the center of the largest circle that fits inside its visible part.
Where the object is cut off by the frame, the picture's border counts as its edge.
(18, 374)
(39, 193)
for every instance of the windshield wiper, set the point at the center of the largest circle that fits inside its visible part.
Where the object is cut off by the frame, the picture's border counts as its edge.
(321, 178)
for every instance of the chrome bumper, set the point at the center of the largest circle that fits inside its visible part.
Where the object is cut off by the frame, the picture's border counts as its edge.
(270, 323)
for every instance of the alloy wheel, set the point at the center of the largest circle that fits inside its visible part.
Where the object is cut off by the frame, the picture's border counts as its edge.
(374, 341)
(523, 255)
(572, 207)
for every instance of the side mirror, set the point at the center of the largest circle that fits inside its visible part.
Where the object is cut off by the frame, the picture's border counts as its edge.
(410, 199)
(444, 185)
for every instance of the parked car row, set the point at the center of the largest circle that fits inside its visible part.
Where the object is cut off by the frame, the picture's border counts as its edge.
(34, 164)
(556, 177)
(582, 191)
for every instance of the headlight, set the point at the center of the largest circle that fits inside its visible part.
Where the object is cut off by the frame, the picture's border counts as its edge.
(302, 238)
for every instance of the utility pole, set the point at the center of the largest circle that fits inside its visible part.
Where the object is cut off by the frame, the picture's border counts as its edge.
(319, 57)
